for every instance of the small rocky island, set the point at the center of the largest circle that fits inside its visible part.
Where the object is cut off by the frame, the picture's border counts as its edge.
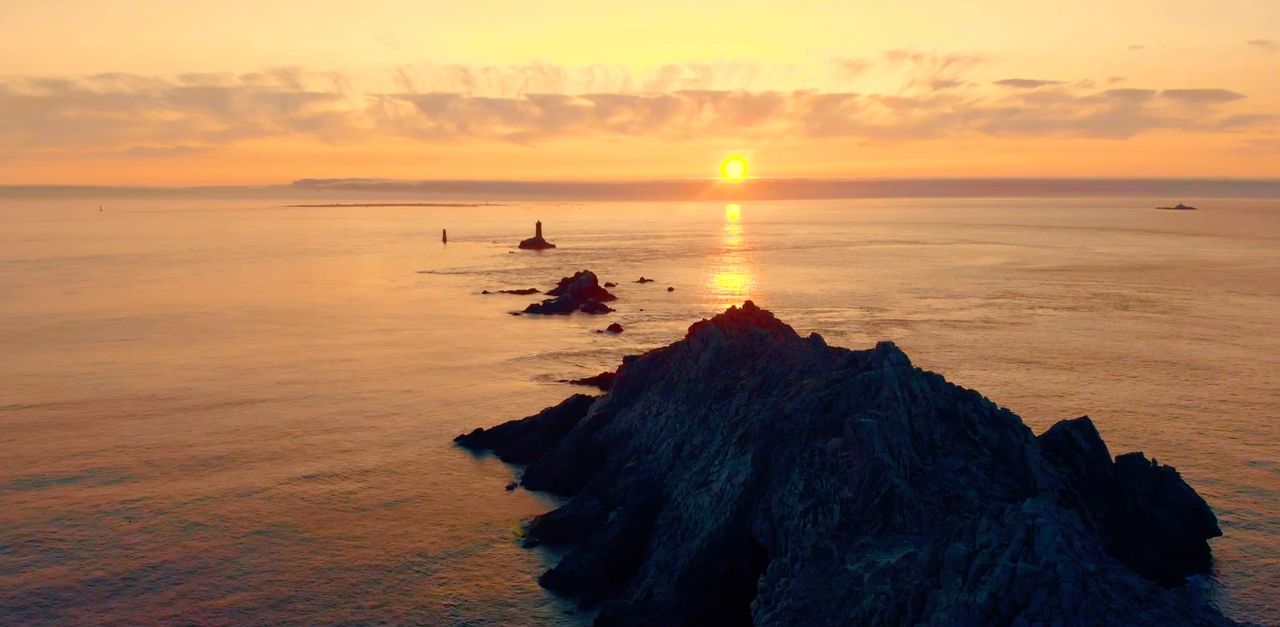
(746, 475)
(1178, 207)
(536, 242)
(580, 292)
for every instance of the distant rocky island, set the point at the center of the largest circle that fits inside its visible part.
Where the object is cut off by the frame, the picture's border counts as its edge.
(536, 242)
(1178, 207)
(746, 475)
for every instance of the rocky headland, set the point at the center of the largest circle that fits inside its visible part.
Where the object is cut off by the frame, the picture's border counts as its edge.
(580, 292)
(747, 475)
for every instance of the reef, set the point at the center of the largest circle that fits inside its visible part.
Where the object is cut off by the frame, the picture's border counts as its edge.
(746, 475)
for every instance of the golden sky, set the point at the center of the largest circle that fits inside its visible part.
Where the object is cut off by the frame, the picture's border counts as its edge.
(266, 91)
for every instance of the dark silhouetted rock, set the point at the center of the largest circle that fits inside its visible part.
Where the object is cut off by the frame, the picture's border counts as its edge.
(580, 292)
(611, 285)
(614, 328)
(521, 292)
(1146, 515)
(671, 289)
(644, 280)
(536, 242)
(583, 285)
(1178, 207)
(522, 441)
(748, 475)
(602, 380)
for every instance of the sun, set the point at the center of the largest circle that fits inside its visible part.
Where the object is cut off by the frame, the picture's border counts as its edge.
(733, 168)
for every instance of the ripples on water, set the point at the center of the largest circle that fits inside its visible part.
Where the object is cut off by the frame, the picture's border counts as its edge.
(232, 412)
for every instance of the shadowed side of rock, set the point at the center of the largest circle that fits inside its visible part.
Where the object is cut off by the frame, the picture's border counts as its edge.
(748, 475)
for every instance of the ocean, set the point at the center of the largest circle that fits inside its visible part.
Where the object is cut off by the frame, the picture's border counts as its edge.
(239, 412)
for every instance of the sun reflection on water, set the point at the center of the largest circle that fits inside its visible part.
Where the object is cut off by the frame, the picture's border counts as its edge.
(731, 280)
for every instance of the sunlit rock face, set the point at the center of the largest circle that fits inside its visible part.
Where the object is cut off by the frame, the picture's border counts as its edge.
(748, 475)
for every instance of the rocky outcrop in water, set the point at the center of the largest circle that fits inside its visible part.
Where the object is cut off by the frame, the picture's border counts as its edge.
(748, 475)
(580, 292)
(520, 292)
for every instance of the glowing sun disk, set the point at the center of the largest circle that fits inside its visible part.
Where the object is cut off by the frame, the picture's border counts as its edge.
(733, 168)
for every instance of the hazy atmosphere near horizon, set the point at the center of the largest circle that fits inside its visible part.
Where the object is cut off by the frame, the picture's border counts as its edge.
(631, 314)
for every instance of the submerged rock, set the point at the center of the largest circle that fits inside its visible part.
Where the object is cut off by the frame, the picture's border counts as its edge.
(644, 280)
(580, 292)
(748, 475)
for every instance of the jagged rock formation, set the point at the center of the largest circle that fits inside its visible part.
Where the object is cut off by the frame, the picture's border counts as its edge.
(748, 475)
(580, 292)
(536, 242)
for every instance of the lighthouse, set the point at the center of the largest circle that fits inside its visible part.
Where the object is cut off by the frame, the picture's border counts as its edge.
(536, 242)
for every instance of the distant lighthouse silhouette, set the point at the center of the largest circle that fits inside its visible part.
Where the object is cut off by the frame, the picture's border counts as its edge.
(536, 242)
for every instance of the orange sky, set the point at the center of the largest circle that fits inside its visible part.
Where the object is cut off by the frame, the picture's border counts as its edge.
(266, 91)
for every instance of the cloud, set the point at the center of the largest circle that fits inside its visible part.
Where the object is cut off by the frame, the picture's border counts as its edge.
(123, 110)
(1025, 83)
(1201, 96)
(180, 150)
(1137, 47)
(851, 67)
(135, 116)
(1267, 45)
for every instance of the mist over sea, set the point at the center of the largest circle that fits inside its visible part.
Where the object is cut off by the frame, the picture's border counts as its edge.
(230, 411)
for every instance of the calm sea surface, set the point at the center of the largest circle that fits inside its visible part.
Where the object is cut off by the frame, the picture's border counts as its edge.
(229, 412)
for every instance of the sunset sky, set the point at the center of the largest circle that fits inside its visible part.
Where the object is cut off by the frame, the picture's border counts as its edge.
(265, 91)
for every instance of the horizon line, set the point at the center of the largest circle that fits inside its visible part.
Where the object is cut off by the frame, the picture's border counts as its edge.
(690, 189)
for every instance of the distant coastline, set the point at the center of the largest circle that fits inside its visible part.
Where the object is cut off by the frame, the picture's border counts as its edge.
(398, 204)
(327, 191)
